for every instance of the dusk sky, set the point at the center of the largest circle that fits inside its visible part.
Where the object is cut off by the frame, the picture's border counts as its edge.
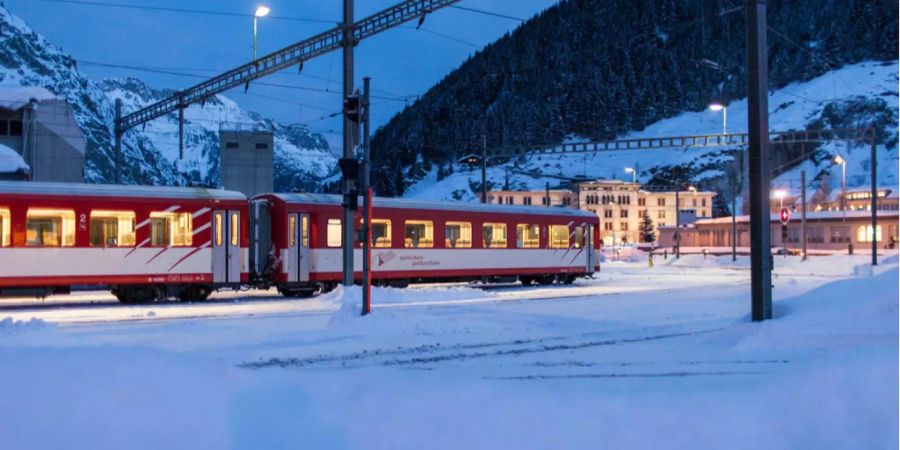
(402, 62)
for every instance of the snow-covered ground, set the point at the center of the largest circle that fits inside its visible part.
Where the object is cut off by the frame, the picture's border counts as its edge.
(640, 357)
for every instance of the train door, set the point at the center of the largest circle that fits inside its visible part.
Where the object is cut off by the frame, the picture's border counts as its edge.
(299, 257)
(589, 245)
(226, 246)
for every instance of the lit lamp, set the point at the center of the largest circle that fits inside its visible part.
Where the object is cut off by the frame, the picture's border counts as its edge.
(633, 174)
(261, 11)
(716, 107)
(843, 162)
(780, 193)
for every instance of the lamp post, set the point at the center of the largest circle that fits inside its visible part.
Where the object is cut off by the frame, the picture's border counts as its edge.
(843, 162)
(716, 107)
(633, 174)
(780, 193)
(261, 11)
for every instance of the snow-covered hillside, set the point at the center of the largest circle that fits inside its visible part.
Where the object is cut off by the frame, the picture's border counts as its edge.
(848, 97)
(302, 158)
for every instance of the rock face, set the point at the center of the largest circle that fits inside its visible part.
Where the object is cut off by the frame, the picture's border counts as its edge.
(302, 158)
(599, 69)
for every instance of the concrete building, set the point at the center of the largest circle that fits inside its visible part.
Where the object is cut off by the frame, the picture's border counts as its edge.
(41, 128)
(620, 205)
(825, 230)
(246, 162)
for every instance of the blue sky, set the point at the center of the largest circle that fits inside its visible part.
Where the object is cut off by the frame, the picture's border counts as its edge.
(401, 62)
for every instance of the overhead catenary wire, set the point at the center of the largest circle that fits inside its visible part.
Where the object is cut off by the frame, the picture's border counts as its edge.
(187, 10)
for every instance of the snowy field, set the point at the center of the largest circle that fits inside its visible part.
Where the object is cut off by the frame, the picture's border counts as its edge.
(640, 357)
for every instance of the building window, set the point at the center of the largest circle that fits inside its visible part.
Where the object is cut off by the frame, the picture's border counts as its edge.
(172, 229)
(4, 227)
(50, 227)
(418, 234)
(493, 235)
(608, 226)
(231, 145)
(333, 235)
(559, 236)
(544, 201)
(703, 202)
(623, 213)
(607, 214)
(579, 237)
(864, 233)
(458, 235)
(112, 228)
(509, 200)
(527, 236)
(661, 215)
(381, 233)
(526, 200)
(661, 201)
(623, 226)
(262, 146)
(840, 235)
(642, 201)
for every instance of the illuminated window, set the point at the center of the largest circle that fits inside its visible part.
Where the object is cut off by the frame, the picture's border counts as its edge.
(864, 233)
(219, 229)
(304, 230)
(292, 231)
(170, 229)
(4, 227)
(112, 228)
(493, 235)
(381, 233)
(458, 235)
(235, 230)
(579, 237)
(50, 227)
(527, 236)
(559, 236)
(418, 234)
(333, 233)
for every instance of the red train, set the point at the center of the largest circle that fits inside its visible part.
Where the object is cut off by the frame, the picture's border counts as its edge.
(148, 243)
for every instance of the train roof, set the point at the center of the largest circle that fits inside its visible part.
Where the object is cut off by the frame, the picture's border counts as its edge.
(390, 202)
(115, 190)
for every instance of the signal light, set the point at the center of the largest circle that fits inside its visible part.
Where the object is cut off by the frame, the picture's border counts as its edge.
(351, 107)
(785, 216)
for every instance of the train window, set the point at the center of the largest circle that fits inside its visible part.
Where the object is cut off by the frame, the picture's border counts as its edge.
(579, 237)
(292, 231)
(112, 228)
(418, 234)
(175, 229)
(334, 233)
(493, 235)
(304, 230)
(220, 229)
(559, 236)
(50, 228)
(381, 233)
(4, 227)
(235, 229)
(458, 234)
(527, 235)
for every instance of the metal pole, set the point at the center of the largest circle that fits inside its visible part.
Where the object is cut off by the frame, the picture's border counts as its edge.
(367, 207)
(349, 132)
(677, 225)
(181, 132)
(844, 189)
(874, 205)
(117, 131)
(484, 171)
(724, 120)
(254, 36)
(760, 171)
(803, 212)
(734, 222)
(547, 187)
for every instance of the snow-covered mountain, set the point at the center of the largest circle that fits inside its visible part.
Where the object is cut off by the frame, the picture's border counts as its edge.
(853, 96)
(302, 158)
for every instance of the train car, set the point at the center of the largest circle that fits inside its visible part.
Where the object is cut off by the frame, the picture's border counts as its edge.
(144, 243)
(297, 243)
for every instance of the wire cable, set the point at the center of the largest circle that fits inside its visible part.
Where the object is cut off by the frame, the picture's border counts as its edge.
(186, 10)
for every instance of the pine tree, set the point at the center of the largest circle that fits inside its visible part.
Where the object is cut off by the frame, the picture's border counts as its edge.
(646, 229)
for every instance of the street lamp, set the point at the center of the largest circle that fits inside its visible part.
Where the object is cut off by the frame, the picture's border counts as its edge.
(780, 193)
(633, 174)
(261, 11)
(716, 107)
(843, 162)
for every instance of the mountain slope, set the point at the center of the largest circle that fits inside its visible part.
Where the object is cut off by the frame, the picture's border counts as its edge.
(599, 69)
(150, 154)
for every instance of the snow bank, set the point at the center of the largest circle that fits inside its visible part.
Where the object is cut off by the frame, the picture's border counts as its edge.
(11, 161)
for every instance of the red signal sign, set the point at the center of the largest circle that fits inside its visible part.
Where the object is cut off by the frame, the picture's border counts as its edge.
(785, 216)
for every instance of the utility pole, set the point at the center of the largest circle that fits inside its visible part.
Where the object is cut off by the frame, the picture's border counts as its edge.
(348, 44)
(758, 127)
(484, 169)
(367, 206)
(181, 133)
(803, 212)
(677, 223)
(547, 187)
(734, 195)
(117, 131)
(874, 205)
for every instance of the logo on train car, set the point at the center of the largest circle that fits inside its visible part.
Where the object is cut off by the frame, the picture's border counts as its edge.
(419, 261)
(385, 257)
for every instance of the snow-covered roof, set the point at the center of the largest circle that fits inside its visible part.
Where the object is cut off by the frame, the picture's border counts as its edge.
(810, 215)
(15, 97)
(113, 190)
(385, 202)
(11, 161)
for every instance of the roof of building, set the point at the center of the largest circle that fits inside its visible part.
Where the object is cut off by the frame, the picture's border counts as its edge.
(795, 217)
(113, 190)
(386, 202)
(15, 97)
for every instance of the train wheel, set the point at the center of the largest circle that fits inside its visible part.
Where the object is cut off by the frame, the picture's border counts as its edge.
(526, 281)
(194, 294)
(546, 280)
(569, 279)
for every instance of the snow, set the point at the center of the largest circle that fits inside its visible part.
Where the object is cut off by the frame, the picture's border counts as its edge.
(14, 97)
(792, 107)
(11, 161)
(640, 357)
